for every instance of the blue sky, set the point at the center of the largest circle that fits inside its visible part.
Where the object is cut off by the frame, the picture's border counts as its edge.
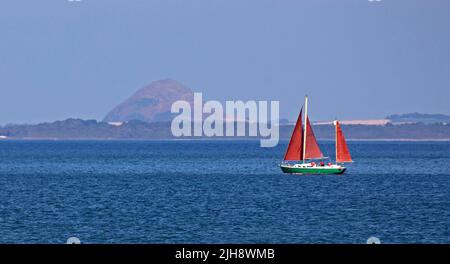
(355, 58)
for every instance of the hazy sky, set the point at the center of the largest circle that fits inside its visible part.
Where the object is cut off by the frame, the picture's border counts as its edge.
(355, 58)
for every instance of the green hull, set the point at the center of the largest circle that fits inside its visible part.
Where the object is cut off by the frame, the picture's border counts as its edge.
(313, 170)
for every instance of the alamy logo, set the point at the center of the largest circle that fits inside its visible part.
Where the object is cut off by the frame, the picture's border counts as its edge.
(237, 117)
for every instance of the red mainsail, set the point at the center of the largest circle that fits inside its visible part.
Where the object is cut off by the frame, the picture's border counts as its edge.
(312, 150)
(342, 152)
(295, 147)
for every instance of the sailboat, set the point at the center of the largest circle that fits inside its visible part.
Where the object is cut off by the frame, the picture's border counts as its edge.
(303, 148)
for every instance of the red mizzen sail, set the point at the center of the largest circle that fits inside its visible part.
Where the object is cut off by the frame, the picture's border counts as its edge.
(295, 147)
(342, 152)
(312, 148)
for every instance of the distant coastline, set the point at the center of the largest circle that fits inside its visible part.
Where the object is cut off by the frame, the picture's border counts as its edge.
(146, 115)
(78, 129)
(214, 139)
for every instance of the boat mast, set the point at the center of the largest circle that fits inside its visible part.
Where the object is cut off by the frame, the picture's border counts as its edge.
(336, 144)
(305, 126)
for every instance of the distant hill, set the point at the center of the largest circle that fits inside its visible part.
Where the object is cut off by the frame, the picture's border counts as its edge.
(146, 115)
(151, 103)
(419, 118)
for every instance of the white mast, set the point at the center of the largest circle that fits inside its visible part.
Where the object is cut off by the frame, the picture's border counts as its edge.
(305, 126)
(336, 144)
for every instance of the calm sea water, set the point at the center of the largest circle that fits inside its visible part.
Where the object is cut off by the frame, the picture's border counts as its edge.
(219, 192)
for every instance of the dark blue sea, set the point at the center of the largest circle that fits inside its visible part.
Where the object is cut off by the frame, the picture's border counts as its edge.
(219, 192)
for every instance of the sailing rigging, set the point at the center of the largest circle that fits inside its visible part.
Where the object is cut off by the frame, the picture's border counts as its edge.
(303, 147)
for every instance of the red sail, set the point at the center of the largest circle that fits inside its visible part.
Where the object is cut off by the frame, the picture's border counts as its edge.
(312, 148)
(342, 153)
(295, 147)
